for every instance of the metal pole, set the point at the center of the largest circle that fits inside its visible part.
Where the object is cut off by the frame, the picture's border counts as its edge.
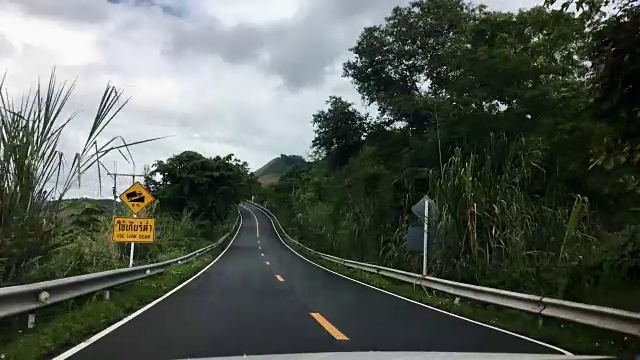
(425, 238)
(115, 187)
(131, 254)
(133, 179)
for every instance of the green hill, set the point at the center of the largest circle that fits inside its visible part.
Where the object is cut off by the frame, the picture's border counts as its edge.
(101, 206)
(271, 171)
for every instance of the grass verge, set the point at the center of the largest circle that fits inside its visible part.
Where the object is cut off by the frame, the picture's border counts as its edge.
(575, 338)
(65, 325)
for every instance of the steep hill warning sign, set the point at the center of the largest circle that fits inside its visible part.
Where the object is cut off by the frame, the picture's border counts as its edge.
(136, 198)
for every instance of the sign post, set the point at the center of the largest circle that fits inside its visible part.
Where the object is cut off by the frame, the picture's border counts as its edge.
(425, 242)
(421, 210)
(135, 229)
(131, 249)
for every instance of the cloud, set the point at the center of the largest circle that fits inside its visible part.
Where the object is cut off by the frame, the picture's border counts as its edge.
(218, 77)
(6, 47)
(300, 49)
(65, 10)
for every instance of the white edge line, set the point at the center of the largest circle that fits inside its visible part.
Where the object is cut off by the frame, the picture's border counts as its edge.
(113, 327)
(413, 301)
(256, 219)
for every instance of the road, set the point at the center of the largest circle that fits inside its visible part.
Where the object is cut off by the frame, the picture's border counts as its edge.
(261, 298)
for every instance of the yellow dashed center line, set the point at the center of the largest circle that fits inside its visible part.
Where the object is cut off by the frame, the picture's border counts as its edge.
(266, 262)
(329, 327)
(279, 278)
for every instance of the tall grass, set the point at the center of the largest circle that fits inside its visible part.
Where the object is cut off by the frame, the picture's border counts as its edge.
(35, 175)
(86, 246)
(177, 236)
(499, 224)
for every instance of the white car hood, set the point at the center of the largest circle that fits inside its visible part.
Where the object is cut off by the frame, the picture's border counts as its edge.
(401, 355)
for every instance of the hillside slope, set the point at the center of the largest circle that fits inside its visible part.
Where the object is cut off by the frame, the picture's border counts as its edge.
(271, 171)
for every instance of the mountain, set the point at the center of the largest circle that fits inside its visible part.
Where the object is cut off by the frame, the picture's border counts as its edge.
(271, 171)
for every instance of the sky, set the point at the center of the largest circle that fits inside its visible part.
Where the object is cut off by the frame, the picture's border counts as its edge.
(216, 76)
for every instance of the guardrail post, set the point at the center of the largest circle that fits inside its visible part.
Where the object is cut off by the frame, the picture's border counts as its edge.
(31, 320)
(107, 294)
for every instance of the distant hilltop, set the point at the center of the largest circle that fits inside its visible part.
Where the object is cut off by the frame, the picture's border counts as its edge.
(270, 173)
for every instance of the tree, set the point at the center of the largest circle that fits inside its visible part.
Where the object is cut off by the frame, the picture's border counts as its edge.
(398, 63)
(494, 71)
(340, 131)
(614, 90)
(207, 187)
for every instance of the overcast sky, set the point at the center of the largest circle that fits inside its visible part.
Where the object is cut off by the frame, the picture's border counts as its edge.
(219, 76)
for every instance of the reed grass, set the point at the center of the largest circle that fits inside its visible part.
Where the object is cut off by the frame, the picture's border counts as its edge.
(35, 174)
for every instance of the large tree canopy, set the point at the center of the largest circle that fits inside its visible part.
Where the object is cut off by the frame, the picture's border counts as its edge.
(340, 131)
(208, 187)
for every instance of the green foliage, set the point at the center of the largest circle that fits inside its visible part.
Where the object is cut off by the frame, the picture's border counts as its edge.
(208, 188)
(340, 131)
(518, 126)
(84, 244)
(32, 170)
(80, 251)
(504, 237)
(393, 62)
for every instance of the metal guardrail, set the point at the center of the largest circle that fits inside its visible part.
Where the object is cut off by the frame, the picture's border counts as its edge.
(25, 298)
(599, 316)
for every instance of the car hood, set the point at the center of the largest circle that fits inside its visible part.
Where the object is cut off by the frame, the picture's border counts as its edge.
(401, 355)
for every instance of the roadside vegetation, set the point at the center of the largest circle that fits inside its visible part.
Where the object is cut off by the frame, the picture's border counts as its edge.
(44, 235)
(522, 128)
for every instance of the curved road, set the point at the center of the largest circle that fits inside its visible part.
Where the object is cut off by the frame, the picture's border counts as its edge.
(261, 298)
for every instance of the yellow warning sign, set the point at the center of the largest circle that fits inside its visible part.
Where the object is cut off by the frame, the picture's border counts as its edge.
(131, 229)
(136, 198)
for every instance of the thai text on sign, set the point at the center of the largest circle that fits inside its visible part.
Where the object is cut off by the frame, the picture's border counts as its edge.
(130, 229)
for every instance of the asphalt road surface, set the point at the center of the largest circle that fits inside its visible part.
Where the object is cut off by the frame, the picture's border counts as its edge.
(261, 298)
